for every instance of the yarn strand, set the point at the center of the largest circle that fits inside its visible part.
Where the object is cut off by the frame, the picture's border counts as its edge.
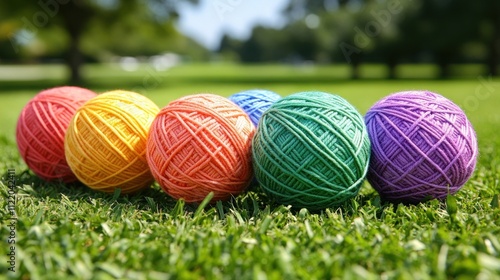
(423, 147)
(41, 129)
(311, 150)
(106, 142)
(200, 144)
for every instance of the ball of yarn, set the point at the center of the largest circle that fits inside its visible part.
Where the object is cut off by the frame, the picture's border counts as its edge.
(41, 128)
(255, 102)
(200, 144)
(106, 142)
(423, 147)
(311, 150)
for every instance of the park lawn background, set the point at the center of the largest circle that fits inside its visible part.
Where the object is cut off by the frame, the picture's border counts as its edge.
(72, 232)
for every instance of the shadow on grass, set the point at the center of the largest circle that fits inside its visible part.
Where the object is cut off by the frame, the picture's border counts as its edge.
(252, 203)
(299, 80)
(153, 198)
(138, 82)
(30, 184)
(38, 85)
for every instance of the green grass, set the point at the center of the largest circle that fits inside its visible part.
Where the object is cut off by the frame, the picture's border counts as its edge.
(71, 232)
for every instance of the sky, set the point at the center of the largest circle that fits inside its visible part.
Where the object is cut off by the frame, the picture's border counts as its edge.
(211, 19)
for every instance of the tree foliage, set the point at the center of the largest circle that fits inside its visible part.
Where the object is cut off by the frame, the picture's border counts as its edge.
(388, 31)
(117, 26)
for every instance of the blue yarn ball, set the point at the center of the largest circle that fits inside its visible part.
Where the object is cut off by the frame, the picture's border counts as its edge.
(255, 102)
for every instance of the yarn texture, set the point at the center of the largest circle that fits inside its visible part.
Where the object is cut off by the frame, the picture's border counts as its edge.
(423, 147)
(255, 102)
(106, 142)
(311, 150)
(200, 144)
(41, 128)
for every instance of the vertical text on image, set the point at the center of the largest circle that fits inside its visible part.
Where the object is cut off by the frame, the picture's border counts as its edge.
(12, 220)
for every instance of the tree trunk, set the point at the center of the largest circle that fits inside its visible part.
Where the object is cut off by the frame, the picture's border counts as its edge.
(443, 61)
(74, 60)
(75, 15)
(444, 70)
(355, 63)
(493, 57)
(392, 71)
(392, 63)
(355, 71)
(494, 45)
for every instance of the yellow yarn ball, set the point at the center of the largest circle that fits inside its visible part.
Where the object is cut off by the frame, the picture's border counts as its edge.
(105, 143)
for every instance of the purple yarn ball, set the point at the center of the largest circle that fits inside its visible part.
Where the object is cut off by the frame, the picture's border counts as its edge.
(255, 102)
(423, 147)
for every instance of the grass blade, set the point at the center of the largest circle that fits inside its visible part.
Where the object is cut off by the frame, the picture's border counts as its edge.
(203, 204)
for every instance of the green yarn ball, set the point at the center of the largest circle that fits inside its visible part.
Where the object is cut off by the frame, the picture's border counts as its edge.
(311, 150)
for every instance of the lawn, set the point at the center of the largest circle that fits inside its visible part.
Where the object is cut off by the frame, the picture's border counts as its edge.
(71, 232)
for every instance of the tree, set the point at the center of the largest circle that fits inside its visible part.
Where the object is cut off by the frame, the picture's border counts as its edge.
(75, 17)
(444, 28)
(230, 47)
(341, 24)
(265, 44)
(489, 16)
(439, 28)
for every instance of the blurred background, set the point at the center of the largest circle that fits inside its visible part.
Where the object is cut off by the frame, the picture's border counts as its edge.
(451, 37)
(170, 48)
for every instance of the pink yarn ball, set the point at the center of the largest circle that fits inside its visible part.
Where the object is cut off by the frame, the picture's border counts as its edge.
(41, 128)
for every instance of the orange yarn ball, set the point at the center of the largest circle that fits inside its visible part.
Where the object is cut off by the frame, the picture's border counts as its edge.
(106, 142)
(41, 128)
(200, 144)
